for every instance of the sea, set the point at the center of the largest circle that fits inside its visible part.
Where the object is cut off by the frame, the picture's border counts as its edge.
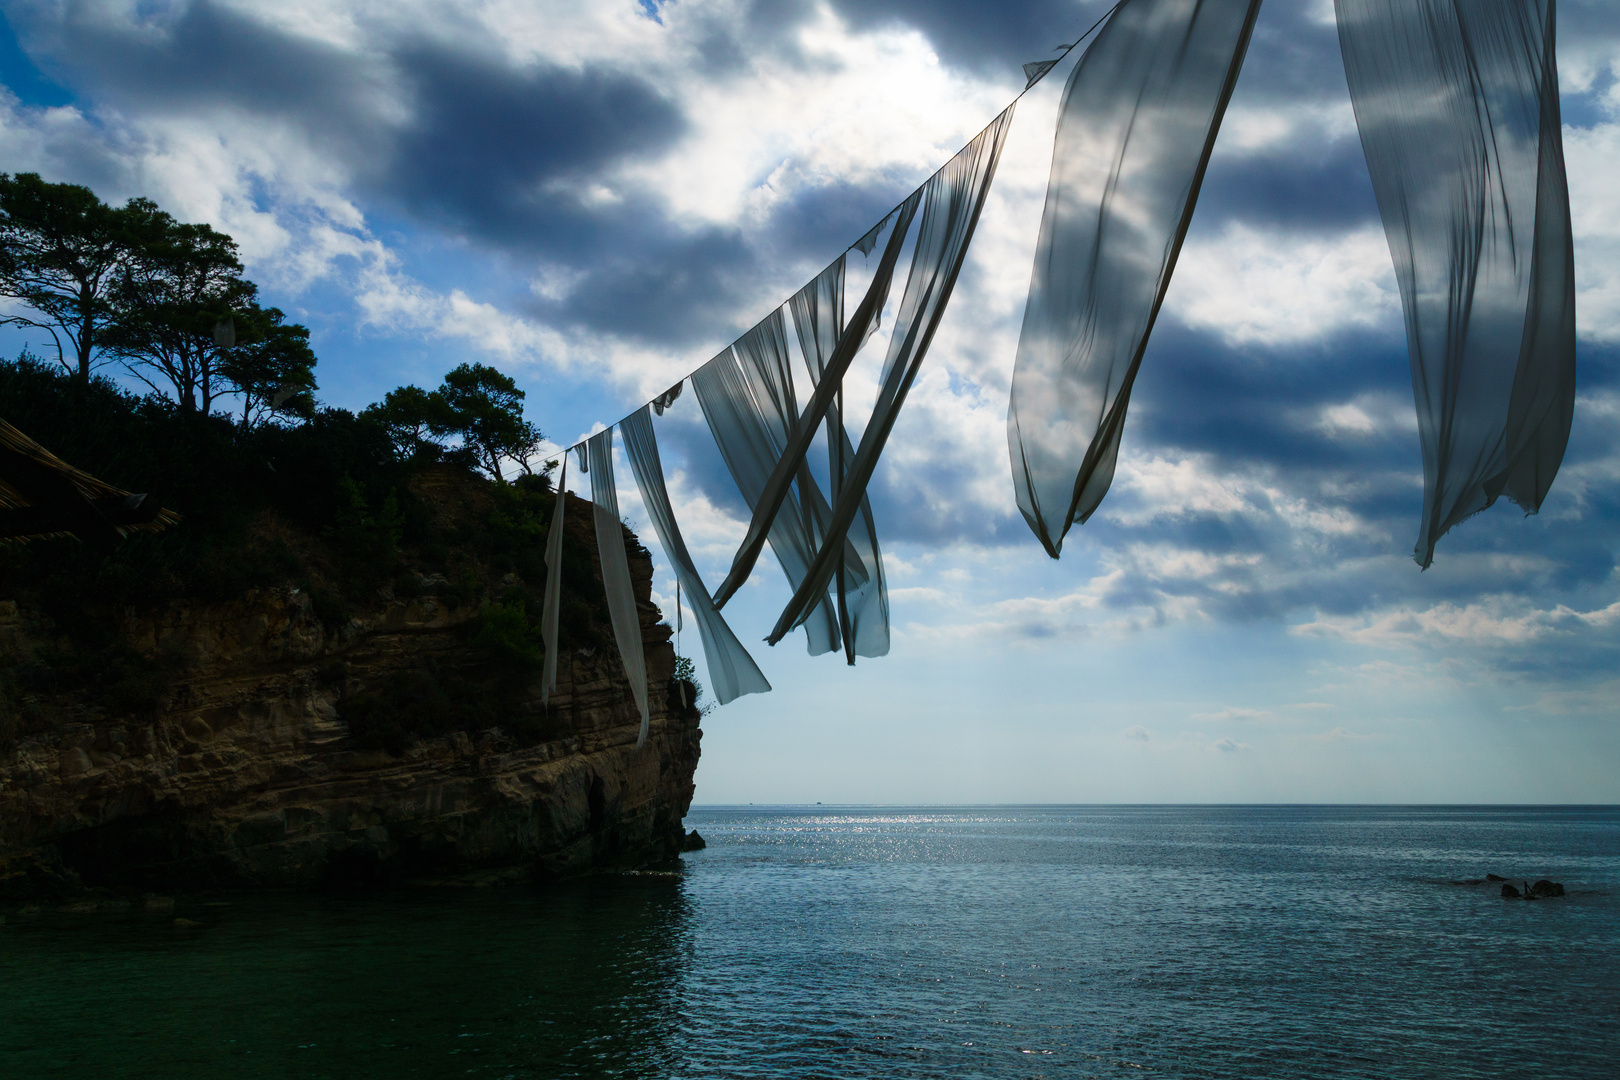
(886, 942)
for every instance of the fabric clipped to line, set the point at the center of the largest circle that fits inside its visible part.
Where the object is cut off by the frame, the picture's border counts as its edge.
(732, 672)
(1472, 192)
(1138, 120)
(621, 594)
(952, 202)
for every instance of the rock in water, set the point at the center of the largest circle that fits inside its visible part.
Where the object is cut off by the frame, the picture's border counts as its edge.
(1510, 891)
(694, 842)
(1494, 877)
(1544, 888)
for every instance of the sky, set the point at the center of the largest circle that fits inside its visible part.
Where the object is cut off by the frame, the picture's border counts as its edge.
(596, 198)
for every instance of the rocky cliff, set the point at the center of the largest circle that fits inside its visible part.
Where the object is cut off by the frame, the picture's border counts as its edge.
(264, 755)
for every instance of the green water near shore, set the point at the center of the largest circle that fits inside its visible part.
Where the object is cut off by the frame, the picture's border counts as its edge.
(479, 982)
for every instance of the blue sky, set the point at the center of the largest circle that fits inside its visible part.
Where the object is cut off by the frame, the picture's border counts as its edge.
(597, 197)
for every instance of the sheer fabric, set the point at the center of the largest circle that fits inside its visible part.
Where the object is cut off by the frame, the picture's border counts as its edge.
(849, 343)
(1458, 110)
(750, 433)
(732, 671)
(621, 593)
(551, 604)
(862, 594)
(1138, 120)
(953, 199)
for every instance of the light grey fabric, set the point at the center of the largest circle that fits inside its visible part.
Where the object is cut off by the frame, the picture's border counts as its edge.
(732, 672)
(860, 589)
(750, 431)
(1457, 104)
(1035, 69)
(788, 465)
(550, 606)
(953, 199)
(1138, 120)
(621, 593)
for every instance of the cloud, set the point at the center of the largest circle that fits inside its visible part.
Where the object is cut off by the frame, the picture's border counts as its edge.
(1229, 746)
(598, 200)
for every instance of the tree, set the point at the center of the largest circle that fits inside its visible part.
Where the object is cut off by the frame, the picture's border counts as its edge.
(484, 408)
(410, 415)
(62, 251)
(182, 282)
(270, 364)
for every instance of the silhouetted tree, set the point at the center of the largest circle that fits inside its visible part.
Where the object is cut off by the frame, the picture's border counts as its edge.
(410, 416)
(62, 251)
(270, 364)
(484, 408)
(183, 283)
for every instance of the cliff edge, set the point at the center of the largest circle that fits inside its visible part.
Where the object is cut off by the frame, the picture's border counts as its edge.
(264, 739)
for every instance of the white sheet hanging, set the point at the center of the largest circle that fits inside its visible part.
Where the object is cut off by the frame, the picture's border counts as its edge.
(1138, 121)
(621, 594)
(732, 672)
(952, 201)
(1457, 104)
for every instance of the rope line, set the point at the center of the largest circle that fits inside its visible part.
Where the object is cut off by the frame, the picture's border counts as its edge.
(1063, 55)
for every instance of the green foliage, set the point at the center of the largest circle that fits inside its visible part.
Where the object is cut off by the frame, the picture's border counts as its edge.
(270, 365)
(687, 673)
(506, 633)
(182, 281)
(62, 253)
(484, 409)
(408, 415)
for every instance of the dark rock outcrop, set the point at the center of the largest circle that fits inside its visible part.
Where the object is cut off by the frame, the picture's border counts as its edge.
(246, 773)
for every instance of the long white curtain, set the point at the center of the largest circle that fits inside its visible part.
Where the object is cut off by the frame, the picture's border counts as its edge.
(862, 594)
(732, 672)
(952, 202)
(859, 327)
(621, 593)
(751, 432)
(550, 606)
(1457, 104)
(1139, 117)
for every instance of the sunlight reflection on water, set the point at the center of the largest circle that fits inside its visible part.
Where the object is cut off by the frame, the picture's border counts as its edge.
(981, 942)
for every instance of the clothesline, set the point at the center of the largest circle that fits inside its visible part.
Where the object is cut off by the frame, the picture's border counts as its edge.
(1045, 68)
(1493, 362)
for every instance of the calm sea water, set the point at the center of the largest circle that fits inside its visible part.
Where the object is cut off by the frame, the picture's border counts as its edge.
(860, 942)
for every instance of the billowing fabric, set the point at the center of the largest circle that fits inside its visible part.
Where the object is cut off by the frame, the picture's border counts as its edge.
(732, 672)
(1457, 104)
(849, 343)
(862, 594)
(1137, 123)
(551, 605)
(952, 201)
(621, 594)
(746, 398)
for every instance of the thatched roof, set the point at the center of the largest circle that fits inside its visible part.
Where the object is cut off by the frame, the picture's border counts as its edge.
(43, 496)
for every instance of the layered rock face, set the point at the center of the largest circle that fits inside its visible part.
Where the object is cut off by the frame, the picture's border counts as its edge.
(246, 774)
